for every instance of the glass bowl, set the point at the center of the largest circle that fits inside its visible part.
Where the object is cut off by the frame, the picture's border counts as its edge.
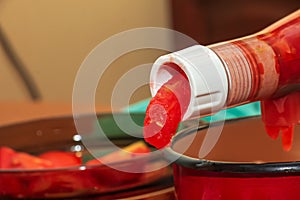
(244, 164)
(59, 134)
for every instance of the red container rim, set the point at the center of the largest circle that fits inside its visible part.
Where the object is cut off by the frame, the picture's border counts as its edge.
(251, 168)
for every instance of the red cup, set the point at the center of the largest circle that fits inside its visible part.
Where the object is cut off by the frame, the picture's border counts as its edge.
(244, 164)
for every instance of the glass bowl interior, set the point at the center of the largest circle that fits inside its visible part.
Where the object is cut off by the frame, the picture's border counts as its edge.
(59, 134)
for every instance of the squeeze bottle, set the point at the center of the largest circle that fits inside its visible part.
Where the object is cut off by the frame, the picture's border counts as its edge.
(262, 67)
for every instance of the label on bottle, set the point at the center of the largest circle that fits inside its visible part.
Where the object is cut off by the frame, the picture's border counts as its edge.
(264, 66)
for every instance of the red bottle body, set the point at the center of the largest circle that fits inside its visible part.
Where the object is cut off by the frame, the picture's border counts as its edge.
(266, 67)
(285, 41)
(282, 112)
(261, 67)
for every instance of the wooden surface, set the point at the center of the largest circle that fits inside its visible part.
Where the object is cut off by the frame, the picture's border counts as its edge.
(13, 112)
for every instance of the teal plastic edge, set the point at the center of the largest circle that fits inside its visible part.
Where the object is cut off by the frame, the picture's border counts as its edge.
(246, 110)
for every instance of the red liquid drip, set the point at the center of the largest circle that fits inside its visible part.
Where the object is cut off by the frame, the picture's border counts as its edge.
(281, 114)
(166, 110)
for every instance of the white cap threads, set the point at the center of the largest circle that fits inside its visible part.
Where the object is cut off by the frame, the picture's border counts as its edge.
(206, 74)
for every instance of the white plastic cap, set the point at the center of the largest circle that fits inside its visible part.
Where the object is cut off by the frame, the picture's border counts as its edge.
(207, 76)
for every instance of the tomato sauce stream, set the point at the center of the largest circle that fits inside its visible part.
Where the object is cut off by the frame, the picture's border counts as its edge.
(166, 109)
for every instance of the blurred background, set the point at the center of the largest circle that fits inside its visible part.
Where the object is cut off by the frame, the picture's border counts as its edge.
(43, 43)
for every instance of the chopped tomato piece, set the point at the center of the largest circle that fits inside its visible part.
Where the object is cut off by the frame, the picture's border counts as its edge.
(10, 185)
(51, 183)
(27, 161)
(111, 177)
(128, 152)
(6, 155)
(61, 158)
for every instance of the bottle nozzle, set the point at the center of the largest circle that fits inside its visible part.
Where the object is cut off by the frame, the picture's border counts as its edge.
(206, 74)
